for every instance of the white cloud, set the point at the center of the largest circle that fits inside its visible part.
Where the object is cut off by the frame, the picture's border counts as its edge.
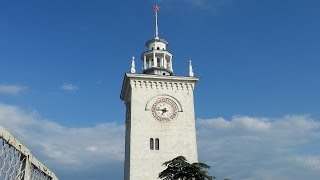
(240, 148)
(261, 148)
(67, 150)
(69, 87)
(11, 89)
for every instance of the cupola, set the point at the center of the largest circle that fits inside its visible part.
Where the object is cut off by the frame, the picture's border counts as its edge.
(157, 60)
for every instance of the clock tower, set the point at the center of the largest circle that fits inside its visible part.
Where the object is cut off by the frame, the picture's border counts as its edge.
(160, 117)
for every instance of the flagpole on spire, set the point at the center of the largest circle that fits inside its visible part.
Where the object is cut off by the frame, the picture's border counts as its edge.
(156, 9)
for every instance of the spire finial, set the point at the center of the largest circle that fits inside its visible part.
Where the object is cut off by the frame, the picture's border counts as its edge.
(191, 74)
(133, 65)
(156, 9)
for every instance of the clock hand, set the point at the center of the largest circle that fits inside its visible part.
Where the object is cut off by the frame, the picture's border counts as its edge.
(164, 110)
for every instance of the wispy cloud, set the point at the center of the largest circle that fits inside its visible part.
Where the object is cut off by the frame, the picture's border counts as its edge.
(243, 147)
(11, 89)
(203, 4)
(69, 87)
(309, 162)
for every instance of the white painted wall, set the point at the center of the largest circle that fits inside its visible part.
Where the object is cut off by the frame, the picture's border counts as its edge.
(177, 137)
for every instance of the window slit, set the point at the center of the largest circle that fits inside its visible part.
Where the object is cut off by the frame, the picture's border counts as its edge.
(157, 144)
(151, 144)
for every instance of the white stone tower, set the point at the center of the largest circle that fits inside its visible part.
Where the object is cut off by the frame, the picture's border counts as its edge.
(160, 118)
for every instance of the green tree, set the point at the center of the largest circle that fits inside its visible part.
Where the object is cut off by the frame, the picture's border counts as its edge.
(179, 169)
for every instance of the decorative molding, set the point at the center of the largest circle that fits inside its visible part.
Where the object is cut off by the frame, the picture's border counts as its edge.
(147, 84)
(153, 82)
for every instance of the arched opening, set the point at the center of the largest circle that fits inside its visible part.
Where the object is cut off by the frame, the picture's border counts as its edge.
(151, 144)
(157, 144)
(168, 63)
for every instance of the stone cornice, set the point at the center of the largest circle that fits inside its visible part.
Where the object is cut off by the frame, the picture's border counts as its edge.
(147, 81)
(152, 84)
(162, 78)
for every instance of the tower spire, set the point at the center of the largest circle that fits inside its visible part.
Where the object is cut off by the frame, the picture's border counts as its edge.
(157, 60)
(156, 9)
(191, 74)
(133, 66)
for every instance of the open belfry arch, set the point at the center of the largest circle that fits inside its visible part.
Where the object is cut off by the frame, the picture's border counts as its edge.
(160, 117)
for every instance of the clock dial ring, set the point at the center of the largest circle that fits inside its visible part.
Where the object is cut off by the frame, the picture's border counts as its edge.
(164, 109)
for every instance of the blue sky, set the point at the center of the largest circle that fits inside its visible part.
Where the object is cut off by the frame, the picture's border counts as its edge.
(62, 66)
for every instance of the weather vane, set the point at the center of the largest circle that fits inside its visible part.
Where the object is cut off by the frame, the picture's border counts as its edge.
(156, 9)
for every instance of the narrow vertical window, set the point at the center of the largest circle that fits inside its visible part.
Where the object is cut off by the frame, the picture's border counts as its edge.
(157, 144)
(151, 144)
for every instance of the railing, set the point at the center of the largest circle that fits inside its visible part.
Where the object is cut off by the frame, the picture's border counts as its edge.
(17, 162)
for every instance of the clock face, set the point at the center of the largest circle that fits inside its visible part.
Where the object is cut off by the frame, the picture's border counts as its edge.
(164, 109)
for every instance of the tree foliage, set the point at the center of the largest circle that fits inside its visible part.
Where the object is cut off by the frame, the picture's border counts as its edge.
(179, 169)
